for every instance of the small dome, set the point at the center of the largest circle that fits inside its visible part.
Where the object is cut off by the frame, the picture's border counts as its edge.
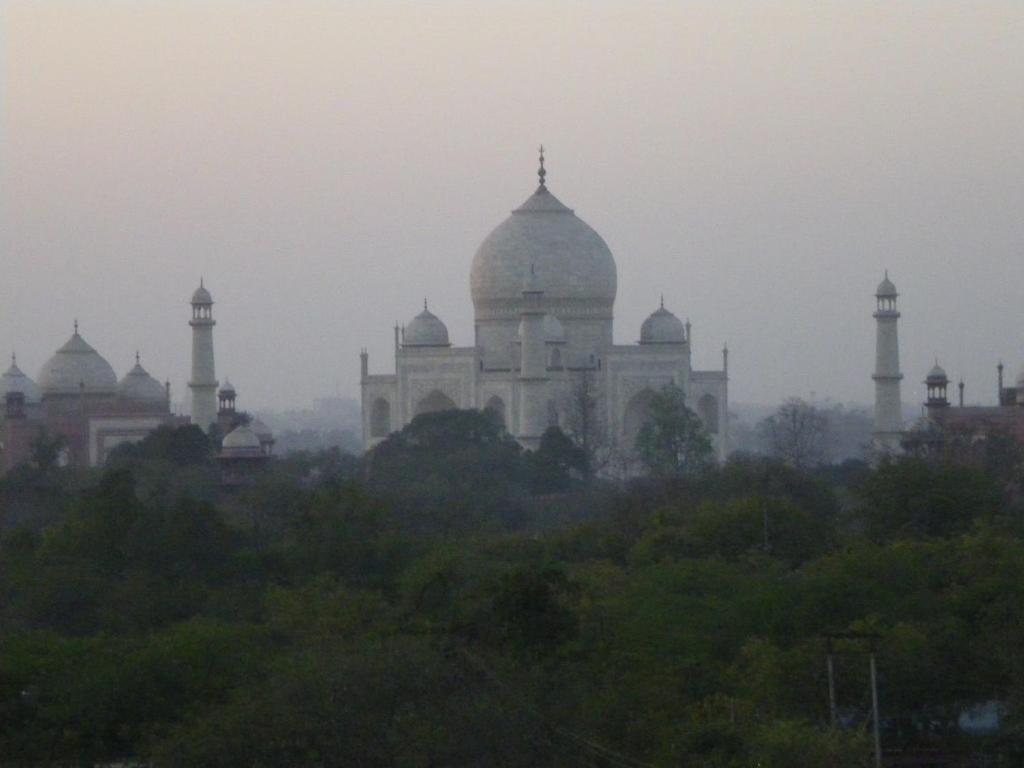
(662, 327)
(554, 333)
(886, 290)
(14, 380)
(227, 388)
(77, 366)
(241, 441)
(201, 295)
(937, 374)
(425, 330)
(139, 385)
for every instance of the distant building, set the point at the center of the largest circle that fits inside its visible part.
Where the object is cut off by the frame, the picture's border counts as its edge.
(80, 403)
(543, 287)
(942, 418)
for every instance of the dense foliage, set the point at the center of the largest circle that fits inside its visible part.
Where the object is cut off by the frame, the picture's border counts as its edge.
(453, 601)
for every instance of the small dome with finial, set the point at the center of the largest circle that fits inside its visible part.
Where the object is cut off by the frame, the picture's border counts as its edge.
(662, 327)
(137, 384)
(937, 374)
(201, 295)
(886, 289)
(425, 330)
(14, 380)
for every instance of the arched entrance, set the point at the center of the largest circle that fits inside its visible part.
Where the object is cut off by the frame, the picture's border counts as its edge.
(707, 409)
(637, 413)
(497, 406)
(380, 418)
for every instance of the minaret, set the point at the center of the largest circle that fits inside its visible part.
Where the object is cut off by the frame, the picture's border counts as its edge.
(203, 383)
(533, 374)
(887, 376)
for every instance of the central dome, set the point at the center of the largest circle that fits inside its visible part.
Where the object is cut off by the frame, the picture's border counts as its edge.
(571, 259)
(77, 367)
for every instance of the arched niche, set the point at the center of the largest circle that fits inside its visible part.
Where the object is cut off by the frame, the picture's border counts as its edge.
(637, 413)
(380, 418)
(707, 409)
(497, 406)
(553, 416)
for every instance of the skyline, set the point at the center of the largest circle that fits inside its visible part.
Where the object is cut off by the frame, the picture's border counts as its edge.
(323, 166)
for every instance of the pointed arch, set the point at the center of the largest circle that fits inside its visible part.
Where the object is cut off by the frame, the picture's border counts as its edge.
(637, 413)
(553, 415)
(380, 418)
(707, 409)
(497, 406)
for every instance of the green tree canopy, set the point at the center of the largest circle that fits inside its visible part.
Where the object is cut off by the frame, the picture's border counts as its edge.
(672, 441)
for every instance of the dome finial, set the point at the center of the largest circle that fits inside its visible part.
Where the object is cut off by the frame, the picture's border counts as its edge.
(541, 173)
(76, 326)
(661, 303)
(425, 309)
(14, 358)
(137, 360)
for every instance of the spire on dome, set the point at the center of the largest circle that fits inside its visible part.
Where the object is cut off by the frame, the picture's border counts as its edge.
(541, 173)
(138, 361)
(661, 302)
(76, 326)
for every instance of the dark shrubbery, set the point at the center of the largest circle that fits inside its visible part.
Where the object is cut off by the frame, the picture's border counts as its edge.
(452, 600)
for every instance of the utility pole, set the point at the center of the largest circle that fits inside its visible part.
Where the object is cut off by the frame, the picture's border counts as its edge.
(831, 683)
(874, 709)
(764, 515)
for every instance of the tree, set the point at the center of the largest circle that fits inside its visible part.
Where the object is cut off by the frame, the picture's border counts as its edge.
(673, 440)
(553, 463)
(585, 423)
(796, 433)
(912, 497)
(46, 451)
(447, 469)
(183, 446)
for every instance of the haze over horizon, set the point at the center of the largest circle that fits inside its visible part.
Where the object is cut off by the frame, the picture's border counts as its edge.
(325, 166)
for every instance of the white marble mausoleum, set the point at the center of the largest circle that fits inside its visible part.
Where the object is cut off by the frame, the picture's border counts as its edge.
(543, 284)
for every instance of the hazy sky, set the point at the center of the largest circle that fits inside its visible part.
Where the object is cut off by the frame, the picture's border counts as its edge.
(326, 165)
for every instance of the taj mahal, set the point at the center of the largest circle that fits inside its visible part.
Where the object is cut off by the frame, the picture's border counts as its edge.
(543, 285)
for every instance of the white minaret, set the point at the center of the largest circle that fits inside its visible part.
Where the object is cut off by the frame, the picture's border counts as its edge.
(533, 373)
(203, 384)
(887, 376)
